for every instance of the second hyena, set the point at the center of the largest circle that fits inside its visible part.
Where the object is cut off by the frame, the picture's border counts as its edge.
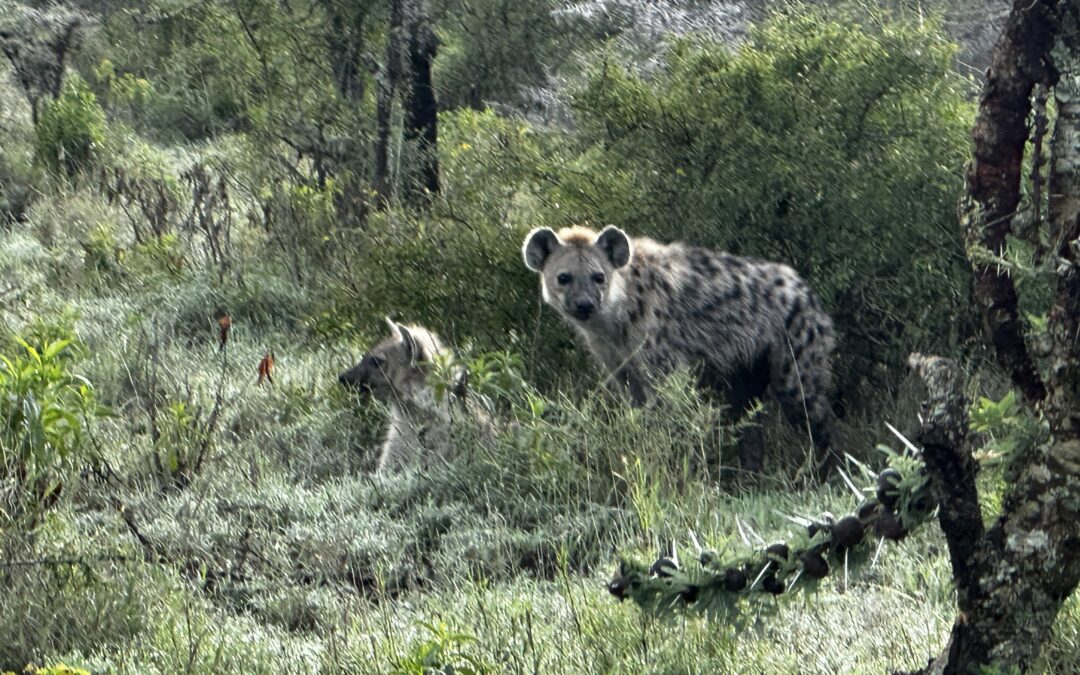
(396, 372)
(646, 309)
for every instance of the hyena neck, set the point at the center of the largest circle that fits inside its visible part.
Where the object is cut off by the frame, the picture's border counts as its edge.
(616, 322)
(409, 422)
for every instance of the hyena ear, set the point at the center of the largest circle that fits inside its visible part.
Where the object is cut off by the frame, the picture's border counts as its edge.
(394, 330)
(539, 244)
(615, 245)
(460, 387)
(412, 347)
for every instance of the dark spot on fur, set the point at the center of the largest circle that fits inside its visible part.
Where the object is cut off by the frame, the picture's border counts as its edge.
(796, 309)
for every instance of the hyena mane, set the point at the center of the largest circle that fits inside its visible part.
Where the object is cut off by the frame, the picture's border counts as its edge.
(645, 309)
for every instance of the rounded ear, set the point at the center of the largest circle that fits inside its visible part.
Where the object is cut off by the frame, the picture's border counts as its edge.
(615, 245)
(394, 330)
(412, 347)
(539, 244)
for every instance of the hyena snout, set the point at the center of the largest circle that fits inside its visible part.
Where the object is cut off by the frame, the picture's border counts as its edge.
(582, 308)
(351, 379)
(359, 377)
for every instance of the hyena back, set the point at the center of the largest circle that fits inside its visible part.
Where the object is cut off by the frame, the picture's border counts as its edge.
(396, 372)
(646, 308)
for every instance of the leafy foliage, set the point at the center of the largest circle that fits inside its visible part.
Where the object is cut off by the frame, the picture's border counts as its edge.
(71, 131)
(830, 146)
(825, 144)
(44, 408)
(445, 651)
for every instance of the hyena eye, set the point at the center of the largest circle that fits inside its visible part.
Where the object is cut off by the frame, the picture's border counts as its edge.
(376, 361)
(564, 278)
(598, 277)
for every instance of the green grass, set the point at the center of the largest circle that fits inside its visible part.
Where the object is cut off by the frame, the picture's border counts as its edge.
(282, 552)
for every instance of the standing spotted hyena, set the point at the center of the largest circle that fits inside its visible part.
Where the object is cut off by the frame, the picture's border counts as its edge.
(396, 372)
(646, 308)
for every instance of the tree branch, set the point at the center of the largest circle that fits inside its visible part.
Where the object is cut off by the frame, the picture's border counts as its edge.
(950, 465)
(993, 178)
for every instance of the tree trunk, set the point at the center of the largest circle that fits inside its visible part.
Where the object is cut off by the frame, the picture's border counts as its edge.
(345, 43)
(993, 179)
(389, 81)
(1012, 579)
(421, 108)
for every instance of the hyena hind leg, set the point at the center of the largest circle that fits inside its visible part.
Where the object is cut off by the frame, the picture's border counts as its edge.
(802, 393)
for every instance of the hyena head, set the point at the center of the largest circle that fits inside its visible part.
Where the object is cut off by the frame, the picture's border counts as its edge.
(579, 268)
(396, 369)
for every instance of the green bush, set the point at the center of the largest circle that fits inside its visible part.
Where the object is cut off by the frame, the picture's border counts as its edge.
(457, 269)
(71, 129)
(15, 190)
(43, 410)
(833, 147)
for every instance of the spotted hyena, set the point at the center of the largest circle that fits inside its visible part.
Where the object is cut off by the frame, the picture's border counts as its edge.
(646, 308)
(396, 372)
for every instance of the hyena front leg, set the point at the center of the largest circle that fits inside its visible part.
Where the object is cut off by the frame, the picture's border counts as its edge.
(636, 385)
(745, 388)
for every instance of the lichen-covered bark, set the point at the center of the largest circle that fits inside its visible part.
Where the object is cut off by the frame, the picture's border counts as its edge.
(950, 465)
(993, 178)
(1013, 579)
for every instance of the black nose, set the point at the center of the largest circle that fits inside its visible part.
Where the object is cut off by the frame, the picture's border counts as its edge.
(583, 308)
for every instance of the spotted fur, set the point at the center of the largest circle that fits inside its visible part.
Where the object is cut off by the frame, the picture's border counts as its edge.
(646, 309)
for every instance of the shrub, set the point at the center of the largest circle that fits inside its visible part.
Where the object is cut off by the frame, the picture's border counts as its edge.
(43, 410)
(458, 269)
(71, 130)
(15, 190)
(829, 146)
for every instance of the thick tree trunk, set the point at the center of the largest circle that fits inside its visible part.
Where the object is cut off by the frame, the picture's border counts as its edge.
(1012, 579)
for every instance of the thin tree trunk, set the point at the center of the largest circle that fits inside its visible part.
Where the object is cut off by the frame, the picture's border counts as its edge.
(389, 81)
(421, 108)
(345, 43)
